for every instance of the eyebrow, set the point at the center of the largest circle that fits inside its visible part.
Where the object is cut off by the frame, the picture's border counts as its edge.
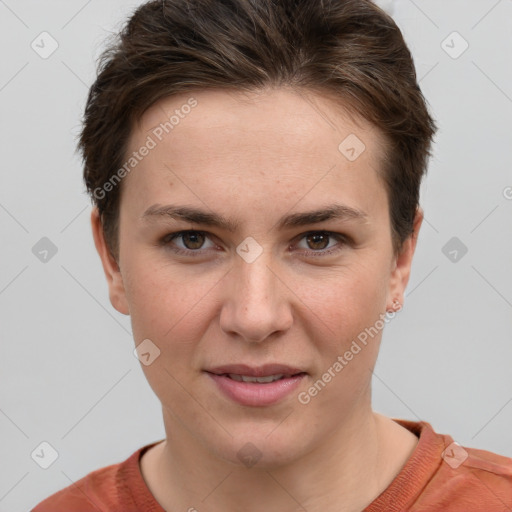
(198, 216)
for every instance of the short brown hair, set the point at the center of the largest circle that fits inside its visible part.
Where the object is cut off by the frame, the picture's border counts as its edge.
(349, 49)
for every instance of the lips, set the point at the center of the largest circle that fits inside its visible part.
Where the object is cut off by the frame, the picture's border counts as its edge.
(256, 394)
(256, 386)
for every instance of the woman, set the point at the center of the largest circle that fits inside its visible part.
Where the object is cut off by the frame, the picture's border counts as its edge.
(255, 169)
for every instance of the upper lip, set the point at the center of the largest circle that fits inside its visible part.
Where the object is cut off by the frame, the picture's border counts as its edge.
(256, 371)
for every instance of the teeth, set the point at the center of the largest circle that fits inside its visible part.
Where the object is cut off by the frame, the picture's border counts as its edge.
(246, 378)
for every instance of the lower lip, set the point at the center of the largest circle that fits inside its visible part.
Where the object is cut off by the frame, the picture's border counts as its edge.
(254, 393)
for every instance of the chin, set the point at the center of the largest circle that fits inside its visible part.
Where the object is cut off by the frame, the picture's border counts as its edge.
(250, 450)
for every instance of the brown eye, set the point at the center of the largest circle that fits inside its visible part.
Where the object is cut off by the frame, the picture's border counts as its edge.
(322, 243)
(188, 243)
(318, 241)
(193, 240)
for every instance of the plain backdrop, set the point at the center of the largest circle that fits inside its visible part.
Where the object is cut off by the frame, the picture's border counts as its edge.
(68, 374)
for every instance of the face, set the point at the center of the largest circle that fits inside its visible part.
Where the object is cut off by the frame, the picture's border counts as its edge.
(269, 284)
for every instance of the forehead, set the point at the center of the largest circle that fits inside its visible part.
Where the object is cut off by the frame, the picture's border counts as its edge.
(218, 138)
(292, 115)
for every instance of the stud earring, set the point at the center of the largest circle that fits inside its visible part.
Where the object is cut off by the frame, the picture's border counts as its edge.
(396, 306)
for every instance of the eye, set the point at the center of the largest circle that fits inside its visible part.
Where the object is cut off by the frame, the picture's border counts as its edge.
(319, 241)
(192, 241)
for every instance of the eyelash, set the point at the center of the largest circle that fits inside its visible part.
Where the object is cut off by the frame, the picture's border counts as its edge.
(170, 237)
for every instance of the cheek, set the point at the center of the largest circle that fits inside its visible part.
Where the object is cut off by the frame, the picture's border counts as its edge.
(349, 325)
(171, 311)
(348, 300)
(165, 304)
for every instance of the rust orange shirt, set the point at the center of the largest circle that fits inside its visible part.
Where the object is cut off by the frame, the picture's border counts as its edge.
(439, 476)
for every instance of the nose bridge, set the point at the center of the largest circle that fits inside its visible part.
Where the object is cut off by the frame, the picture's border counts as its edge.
(256, 281)
(255, 305)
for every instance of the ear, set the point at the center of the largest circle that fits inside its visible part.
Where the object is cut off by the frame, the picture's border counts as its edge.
(402, 263)
(110, 266)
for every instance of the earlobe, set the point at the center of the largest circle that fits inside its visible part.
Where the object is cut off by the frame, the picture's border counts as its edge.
(111, 268)
(402, 266)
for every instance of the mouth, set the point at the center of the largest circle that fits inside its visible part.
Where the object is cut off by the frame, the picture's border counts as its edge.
(268, 371)
(256, 386)
(260, 380)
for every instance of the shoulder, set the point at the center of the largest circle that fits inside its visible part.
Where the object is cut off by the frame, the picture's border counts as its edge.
(443, 475)
(109, 489)
(472, 478)
(95, 491)
(464, 478)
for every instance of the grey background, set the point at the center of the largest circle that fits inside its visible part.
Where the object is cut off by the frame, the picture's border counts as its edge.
(68, 374)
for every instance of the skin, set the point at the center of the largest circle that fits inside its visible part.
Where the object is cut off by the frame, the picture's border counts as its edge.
(254, 158)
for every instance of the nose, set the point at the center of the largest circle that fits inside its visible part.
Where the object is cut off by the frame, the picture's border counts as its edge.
(256, 303)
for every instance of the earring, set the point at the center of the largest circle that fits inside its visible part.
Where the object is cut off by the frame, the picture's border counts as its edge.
(396, 306)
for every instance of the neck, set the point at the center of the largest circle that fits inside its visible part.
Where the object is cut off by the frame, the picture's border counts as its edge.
(347, 471)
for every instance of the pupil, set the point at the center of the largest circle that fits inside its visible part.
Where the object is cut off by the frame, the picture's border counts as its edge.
(316, 238)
